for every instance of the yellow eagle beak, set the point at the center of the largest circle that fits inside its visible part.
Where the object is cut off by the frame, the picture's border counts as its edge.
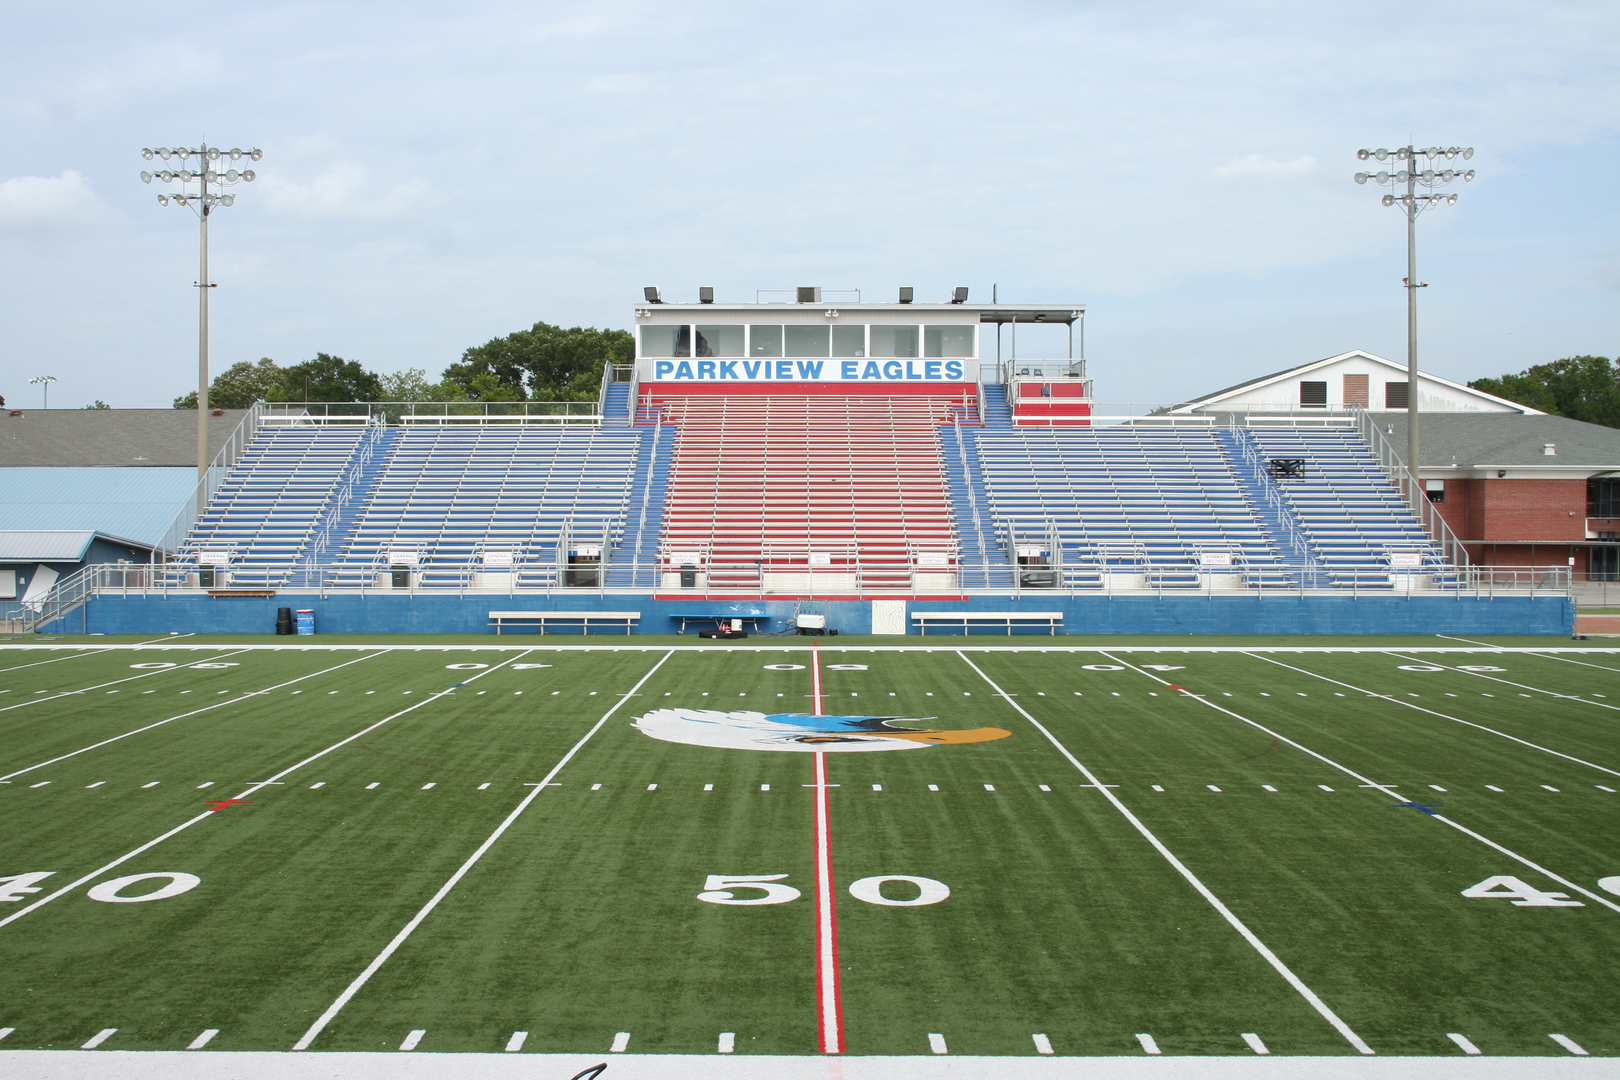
(972, 735)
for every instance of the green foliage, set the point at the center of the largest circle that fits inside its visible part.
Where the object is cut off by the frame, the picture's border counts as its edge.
(239, 386)
(99, 404)
(543, 363)
(326, 378)
(1579, 387)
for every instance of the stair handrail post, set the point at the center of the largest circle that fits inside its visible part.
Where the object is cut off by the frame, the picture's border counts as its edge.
(1409, 487)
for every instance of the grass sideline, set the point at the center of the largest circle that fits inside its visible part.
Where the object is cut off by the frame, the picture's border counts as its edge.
(580, 920)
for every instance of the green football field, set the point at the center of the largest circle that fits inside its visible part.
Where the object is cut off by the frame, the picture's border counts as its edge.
(1050, 846)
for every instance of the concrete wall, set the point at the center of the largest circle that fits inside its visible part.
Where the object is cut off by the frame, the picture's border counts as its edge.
(1082, 615)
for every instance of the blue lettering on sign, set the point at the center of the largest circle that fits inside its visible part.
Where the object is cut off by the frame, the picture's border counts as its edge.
(705, 369)
(683, 370)
(751, 368)
(910, 374)
(662, 368)
(931, 369)
(849, 369)
(870, 371)
(784, 369)
(953, 369)
(808, 370)
(728, 369)
(891, 370)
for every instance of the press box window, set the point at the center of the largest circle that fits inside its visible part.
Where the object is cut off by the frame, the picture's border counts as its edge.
(849, 340)
(764, 341)
(1395, 395)
(947, 341)
(1603, 498)
(1436, 490)
(894, 341)
(666, 341)
(720, 341)
(1312, 395)
(806, 340)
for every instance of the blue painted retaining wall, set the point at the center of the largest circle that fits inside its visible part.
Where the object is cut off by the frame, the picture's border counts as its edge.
(406, 614)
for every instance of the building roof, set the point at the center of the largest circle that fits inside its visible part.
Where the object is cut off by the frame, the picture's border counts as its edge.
(138, 504)
(1454, 395)
(1507, 441)
(51, 545)
(132, 437)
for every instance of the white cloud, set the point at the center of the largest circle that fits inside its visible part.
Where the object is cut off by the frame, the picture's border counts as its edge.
(43, 204)
(1260, 167)
(346, 191)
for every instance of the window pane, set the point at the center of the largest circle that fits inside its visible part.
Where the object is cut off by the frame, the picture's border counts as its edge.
(719, 340)
(764, 341)
(806, 341)
(1312, 394)
(666, 341)
(894, 341)
(947, 341)
(1395, 394)
(849, 341)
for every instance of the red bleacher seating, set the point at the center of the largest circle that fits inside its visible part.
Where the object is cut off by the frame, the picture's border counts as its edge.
(846, 487)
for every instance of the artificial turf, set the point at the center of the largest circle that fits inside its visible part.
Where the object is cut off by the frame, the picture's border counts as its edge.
(581, 920)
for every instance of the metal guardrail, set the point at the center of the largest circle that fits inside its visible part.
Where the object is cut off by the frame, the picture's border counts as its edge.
(197, 502)
(1410, 488)
(313, 413)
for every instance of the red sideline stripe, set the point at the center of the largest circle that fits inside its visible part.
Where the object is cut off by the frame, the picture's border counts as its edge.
(953, 391)
(829, 998)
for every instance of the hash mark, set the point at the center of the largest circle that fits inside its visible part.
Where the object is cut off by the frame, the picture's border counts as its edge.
(515, 1043)
(621, 1041)
(1464, 1043)
(1043, 1045)
(936, 1043)
(412, 1039)
(1254, 1043)
(1148, 1045)
(203, 1040)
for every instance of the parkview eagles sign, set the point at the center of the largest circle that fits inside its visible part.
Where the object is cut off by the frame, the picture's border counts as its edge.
(747, 370)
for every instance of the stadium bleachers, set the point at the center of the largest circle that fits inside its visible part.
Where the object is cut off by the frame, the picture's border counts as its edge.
(265, 513)
(813, 493)
(1352, 517)
(833, 486)
(1124, 500)
(479, 499)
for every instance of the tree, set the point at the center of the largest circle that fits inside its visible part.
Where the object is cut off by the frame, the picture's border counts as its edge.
(239, 386)
(543, 363)
(1579, 387)
(99, 404)
(326, 378)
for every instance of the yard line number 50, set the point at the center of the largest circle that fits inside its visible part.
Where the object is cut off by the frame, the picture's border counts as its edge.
(752, 890)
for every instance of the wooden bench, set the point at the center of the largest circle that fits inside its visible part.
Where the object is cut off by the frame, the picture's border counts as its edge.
(584, 618)
(1049, 619)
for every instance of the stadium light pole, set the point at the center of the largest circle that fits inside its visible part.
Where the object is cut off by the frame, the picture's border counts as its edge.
(1413, 203)
(202, 187)
(44, 384)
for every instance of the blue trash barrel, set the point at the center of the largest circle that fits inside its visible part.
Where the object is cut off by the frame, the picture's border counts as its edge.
(306, 621)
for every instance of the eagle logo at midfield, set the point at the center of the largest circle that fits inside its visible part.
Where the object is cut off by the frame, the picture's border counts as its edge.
(742, 730)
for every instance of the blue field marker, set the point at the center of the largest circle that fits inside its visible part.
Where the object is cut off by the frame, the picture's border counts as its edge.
(1427, 808)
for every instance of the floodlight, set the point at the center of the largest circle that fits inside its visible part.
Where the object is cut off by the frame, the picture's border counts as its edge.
(959, 294)
(706, 294)
(651, 293)
(905, 294)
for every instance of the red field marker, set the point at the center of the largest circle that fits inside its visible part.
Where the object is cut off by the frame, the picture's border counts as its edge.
(223, 803)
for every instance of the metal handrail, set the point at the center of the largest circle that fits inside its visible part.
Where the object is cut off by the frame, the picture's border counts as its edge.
(196, 503)
(1407, 483)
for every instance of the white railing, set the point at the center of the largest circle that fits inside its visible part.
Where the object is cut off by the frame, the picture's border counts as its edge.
(1410, 488)
(1279, 503)
(315, 413)
(175, 535)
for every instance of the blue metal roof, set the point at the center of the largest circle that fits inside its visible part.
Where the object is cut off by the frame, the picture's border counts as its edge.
(135, 503)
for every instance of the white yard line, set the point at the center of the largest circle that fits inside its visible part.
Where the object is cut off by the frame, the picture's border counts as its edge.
(1380, 788)
(1443, 716)
(444, 890)
(1509, 682)
(182, 716)
(257, 786)
(55, 660)
(143, 675)
(1192, 879)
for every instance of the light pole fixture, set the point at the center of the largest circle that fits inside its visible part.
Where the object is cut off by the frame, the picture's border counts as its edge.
(203, 186)
(44, 384)
(1413, 174)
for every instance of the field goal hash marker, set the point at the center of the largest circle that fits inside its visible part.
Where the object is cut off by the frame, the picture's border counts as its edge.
(1203, 890)
(252, 789)
(444, 890)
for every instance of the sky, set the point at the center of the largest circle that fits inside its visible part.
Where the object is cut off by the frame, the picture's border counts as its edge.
(437, 175)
